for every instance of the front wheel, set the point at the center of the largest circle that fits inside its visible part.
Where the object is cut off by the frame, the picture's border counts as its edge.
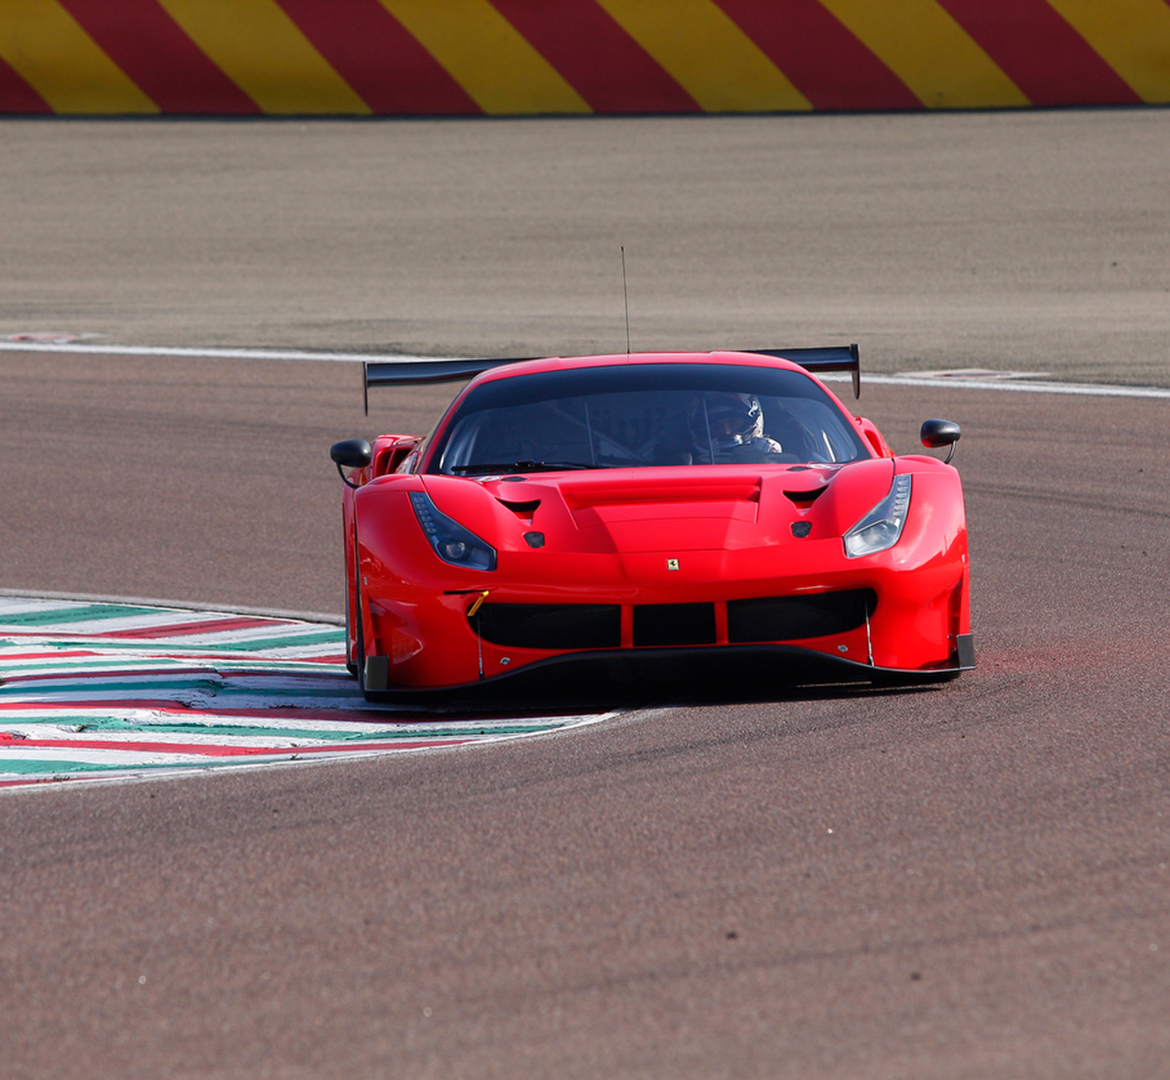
(359, 648)
(350, 663)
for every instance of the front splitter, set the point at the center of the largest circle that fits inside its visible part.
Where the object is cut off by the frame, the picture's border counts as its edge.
(621, 675)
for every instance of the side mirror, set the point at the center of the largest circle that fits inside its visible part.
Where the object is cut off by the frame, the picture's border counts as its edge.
(351, 454)
(939, 433)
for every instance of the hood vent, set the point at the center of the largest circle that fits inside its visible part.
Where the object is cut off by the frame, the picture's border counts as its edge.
(802, 500)
(523, 510)
(591, 491)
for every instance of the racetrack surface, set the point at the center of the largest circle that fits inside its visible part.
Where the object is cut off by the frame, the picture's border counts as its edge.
(1015, 239)
(961, 881)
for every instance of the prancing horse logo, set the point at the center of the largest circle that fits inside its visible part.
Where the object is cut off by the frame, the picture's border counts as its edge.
(672, 564)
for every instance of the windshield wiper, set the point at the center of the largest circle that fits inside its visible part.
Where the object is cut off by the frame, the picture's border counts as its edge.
(522, 467)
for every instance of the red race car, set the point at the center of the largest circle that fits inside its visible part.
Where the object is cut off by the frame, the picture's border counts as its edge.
(646, 517)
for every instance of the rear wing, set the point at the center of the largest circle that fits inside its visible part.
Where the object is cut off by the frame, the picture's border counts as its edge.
(828, 358)
(417, 372)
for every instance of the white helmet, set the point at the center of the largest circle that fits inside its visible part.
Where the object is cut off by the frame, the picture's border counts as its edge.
(734, 419)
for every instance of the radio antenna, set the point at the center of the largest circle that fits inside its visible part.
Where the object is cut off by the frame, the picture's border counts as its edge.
(626, 295)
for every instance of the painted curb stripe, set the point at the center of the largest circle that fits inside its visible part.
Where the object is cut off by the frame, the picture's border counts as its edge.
(45, 45)
(325, 653)
(264, 53)
(1132, 36)
(1065, 72)
(245, 641)
(240, 666)
(152, 49)
(348, 726)
(127, 700)
(94, 766)
(604, 64)
(708, 54)
(16, 95)
(521, 57)
(929, 52)
(376, 55)
(205, 626)
(798, 45)
(323, 731)
(193, 751)
(487, 56)
(40, 615)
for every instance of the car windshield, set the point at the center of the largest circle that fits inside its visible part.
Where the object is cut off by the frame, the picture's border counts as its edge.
(632, 415)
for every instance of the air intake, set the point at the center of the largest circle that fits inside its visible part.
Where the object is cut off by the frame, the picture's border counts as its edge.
(674, 624)
(550, 626)
(790, 618)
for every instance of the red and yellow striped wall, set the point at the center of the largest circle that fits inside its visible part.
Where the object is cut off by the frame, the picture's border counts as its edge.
(524, 57)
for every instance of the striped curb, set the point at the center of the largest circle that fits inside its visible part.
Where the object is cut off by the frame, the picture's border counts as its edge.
(564, 57)
(99, 690)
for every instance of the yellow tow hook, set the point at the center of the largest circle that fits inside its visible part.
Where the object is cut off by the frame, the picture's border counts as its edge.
(478, 640)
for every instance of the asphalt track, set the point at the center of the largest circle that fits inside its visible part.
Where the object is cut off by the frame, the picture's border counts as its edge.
(966, 881)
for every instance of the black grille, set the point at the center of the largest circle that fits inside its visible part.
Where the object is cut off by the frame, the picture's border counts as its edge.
(787, 618)
(550, 626)
(674, 624)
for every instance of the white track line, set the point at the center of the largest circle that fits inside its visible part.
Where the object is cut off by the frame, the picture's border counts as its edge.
(1083, 389)
(207, 354)
(934, 382)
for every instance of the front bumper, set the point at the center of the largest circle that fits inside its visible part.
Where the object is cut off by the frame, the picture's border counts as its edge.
(887, 621)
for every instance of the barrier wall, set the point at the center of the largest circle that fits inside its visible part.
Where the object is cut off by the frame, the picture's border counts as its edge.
(369, 57)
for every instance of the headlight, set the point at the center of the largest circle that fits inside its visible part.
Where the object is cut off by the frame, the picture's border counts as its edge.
(882, 526)
(452, 542)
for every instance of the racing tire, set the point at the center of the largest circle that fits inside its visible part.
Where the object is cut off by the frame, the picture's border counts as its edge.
(359, 648)
(351, 664)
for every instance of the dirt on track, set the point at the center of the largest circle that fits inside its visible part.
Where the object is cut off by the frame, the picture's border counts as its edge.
(964, 881)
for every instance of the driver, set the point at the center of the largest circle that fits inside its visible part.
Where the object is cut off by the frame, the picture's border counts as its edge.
(731, 428)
